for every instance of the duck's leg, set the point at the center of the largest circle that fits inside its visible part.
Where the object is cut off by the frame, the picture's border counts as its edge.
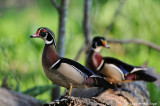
(109, 89)
(67, 94)
(115, 84)
(70, 90)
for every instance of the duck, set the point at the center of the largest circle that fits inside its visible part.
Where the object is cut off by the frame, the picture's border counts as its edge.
(66, 72)
(116, 71)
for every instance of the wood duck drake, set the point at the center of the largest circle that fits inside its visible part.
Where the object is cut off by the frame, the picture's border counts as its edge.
(63, 71)
(115, 70)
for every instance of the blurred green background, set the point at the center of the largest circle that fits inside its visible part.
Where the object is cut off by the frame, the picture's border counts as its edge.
(20, 56)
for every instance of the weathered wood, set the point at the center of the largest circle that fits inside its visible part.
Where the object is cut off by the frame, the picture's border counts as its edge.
(12, 98)
(134, 94)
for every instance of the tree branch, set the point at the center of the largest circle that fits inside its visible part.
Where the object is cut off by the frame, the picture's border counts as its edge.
(136, 41)
(54, 2)
(87, 27)
(87, 21)
(62, 27)
(84, 48)
(115, 16)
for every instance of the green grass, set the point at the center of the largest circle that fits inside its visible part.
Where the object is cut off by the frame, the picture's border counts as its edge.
(20, 56)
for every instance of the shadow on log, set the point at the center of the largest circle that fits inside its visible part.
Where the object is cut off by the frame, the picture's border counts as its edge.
(12, 98)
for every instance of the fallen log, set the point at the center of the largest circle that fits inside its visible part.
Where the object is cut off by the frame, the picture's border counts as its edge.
(12, 98)
(134, 94)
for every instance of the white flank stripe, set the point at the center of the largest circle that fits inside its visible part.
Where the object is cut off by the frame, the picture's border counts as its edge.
(112, 65)
(95, 76)
(54, 64)
(99, 67)
(138, 69)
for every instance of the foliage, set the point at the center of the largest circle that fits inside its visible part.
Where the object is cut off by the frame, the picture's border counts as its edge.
(154, 93)
(20, 56)
(38, 90)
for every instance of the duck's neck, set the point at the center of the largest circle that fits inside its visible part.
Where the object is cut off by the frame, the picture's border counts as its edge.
(49, 56)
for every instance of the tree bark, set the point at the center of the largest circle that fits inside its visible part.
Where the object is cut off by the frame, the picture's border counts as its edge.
(87, 20)
(86, 28)
(62, 27)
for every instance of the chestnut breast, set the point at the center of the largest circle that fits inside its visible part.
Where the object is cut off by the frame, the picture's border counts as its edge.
(96, 59)
(49, 56)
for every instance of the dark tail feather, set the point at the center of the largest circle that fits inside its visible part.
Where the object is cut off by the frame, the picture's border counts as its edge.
(143, 75)
(100, 82)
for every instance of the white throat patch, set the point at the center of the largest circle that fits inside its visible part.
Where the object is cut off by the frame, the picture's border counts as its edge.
(48, 42)
(45, 39)
(98, 49)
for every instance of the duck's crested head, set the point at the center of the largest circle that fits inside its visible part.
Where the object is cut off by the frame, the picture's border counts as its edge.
(46, 34)
(99, 42)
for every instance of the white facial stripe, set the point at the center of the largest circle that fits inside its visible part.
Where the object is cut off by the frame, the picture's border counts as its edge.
(46, 36)
(45, 39)
(53, 38)
(50, 33)
(40, 29)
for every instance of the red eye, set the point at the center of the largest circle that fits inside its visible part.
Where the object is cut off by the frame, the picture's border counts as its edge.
(43, 30)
